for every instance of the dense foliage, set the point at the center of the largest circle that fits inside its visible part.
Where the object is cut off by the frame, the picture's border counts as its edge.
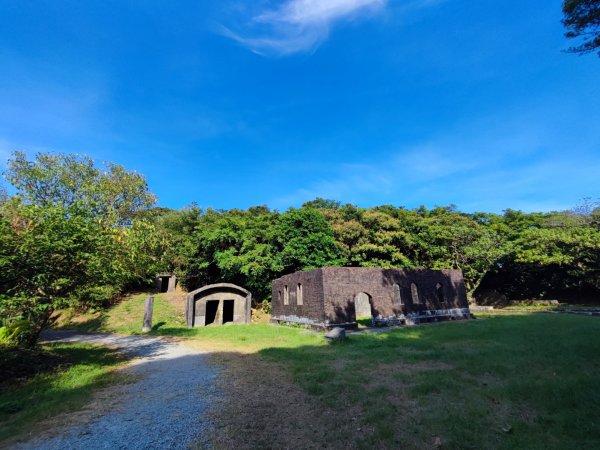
(582, 20)
(537, 255)
(69, 237)
(74, 235)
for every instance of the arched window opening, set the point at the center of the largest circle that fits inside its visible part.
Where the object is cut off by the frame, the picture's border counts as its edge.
(414, 291)
(299, 299)
(286, 295)
(397, 295)
(439, 292)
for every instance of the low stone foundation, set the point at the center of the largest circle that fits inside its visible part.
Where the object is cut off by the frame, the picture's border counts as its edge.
(314, 324)
(438, 315)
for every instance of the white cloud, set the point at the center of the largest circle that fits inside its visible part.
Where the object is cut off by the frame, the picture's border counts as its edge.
(299, 25)
(485, 165)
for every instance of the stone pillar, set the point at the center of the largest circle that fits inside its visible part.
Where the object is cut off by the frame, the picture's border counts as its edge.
(148, 307)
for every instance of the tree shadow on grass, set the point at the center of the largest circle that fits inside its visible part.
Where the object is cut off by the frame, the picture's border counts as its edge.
(95, 324)
(477, 384)
(157, 326)
(24, 402)
(463, 382)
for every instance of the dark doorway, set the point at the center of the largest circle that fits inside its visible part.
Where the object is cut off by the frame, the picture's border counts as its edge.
(212, 306)
(228, 311)
(164, 284)
(439, 291)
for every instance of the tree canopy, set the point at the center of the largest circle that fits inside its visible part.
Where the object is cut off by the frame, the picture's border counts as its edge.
(77, 236)
(70, 237)
(114, 194)
(582, 20)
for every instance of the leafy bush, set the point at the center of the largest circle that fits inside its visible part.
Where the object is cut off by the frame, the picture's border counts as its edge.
(16, 332)
(266, 306)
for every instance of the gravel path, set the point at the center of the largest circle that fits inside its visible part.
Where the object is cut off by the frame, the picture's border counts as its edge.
(164, 408)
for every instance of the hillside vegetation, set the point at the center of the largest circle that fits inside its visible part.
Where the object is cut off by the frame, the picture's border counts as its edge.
(78, 236)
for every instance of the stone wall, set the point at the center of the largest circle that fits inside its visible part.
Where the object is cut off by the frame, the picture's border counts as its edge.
(312, 296)
(342, 284)
(329, 293)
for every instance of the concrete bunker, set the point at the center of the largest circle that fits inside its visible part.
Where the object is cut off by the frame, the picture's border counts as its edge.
(165, 282)
(218, 304)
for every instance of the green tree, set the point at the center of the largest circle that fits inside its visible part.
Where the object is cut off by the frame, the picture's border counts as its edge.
(52, 257)
(234, 246)
(305, 241)
(573, 251)
(114, 194)
(370, 237)
(70, 236)
(452, 240)
(582, 20)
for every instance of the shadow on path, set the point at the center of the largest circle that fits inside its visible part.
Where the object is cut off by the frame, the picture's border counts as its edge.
(164, 408)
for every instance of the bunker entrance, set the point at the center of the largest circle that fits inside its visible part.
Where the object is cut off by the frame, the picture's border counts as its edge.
(228, 311)
(164, 284)
(212, 307)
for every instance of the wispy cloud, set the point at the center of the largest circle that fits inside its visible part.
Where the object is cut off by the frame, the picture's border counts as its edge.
(299, 25)
(512, 165)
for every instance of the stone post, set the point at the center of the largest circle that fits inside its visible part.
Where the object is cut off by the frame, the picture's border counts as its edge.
(148, 307)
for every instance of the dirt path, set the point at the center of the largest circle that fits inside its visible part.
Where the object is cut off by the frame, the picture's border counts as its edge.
(164, 407)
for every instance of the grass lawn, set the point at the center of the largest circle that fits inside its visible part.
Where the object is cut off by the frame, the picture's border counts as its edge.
(520, 380)
(23, 405)
(523, 381)
(504, 382)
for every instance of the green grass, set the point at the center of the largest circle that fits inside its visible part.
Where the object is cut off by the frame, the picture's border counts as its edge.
(247, 338)
(504, 382)
(23, 405)
(126, 317)
(511, 381)
(515, 380)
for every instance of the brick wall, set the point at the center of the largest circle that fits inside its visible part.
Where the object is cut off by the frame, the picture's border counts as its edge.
(312, 295)
(328, 293)
(342, 284)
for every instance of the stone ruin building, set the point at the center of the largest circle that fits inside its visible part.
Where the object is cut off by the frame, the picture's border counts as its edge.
(217, 304)
(338, 296)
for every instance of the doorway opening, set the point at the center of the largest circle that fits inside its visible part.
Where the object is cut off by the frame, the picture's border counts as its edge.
(228, 311)
(164, 284)
(212, 306)
(362, 308)
(439, 292)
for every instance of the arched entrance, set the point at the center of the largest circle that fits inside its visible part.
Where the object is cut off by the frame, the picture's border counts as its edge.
(217, 304)
(362, 306)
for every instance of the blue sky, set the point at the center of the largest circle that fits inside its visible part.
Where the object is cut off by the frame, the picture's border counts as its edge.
(236, 103)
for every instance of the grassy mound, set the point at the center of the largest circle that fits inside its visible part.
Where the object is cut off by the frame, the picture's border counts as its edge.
(126, 316)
